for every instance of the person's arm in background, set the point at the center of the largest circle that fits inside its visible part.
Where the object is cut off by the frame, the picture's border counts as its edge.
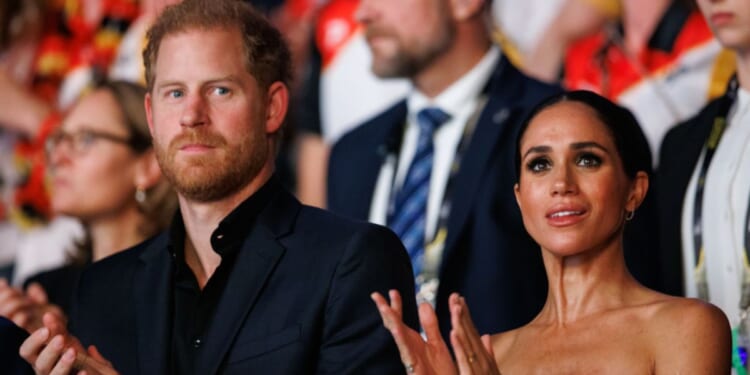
(21, 110)
(576, 19)
(312, 149)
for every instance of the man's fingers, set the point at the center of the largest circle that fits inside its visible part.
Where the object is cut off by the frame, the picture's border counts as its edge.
(33, 344)
(65, 364)
(49, 355)
(54, 323)
(36, 293)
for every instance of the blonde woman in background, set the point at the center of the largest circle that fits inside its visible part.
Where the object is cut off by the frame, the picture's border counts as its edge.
(104, 173)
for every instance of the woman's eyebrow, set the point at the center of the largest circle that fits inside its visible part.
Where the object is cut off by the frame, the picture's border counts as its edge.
(537, 150)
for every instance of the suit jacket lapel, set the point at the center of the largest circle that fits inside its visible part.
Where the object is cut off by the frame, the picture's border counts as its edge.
(254, 264)
(384, 138)
(489, 128)
(151, 287)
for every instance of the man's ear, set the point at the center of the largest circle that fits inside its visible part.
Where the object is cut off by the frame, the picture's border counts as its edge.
(466, 9)
(276, 106)
(149, 113)
(638, 190)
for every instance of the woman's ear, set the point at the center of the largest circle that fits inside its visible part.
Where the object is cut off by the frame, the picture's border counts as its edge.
(516, 192)
(147, 171)
(638, 190)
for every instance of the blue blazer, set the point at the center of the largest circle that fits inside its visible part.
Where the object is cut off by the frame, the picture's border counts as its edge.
(297, 300)
(488, 256)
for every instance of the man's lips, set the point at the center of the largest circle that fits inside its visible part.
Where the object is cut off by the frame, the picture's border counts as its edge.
(195, 147)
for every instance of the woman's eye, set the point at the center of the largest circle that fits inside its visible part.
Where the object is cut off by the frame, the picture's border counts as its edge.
(85, 139)
(538, 165)
(588, 160)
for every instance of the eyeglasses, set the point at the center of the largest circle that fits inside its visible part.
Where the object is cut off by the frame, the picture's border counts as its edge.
(81, 141)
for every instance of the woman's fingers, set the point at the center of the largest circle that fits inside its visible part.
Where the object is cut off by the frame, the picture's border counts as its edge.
(464, 358)
(402, 335)
(386, 313)
(429, 323)
(487, 342)
(396, 304)
(468, 343)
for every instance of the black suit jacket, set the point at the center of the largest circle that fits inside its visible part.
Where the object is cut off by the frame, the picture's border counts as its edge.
(678, 156)
(11, 338)
(488, 256)
(296, 302)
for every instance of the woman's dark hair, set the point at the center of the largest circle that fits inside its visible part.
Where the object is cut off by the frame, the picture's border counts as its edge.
(628, 137)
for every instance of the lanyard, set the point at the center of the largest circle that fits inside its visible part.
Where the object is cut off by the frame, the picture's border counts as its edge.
(717, 131)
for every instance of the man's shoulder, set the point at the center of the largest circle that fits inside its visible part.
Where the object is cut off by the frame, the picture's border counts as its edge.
(115, 266)
(374, 130)
(331, 226)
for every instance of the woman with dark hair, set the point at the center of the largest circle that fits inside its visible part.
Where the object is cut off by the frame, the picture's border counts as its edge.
(103, 173)
(580, 162)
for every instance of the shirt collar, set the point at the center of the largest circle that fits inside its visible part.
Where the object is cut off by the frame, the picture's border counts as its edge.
(232, 230)
(461, 93)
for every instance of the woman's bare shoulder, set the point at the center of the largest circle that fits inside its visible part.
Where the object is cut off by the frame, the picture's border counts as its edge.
(689, 334)
(671, 311)
(503, 342)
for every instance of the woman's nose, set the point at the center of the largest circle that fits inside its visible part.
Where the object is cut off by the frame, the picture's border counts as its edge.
(564, 182)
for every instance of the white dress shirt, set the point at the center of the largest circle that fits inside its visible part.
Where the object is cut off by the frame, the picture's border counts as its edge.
(460, 101)
(725, 201)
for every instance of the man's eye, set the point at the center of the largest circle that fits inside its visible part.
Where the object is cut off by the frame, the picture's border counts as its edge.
(221, 90)
(175, 93)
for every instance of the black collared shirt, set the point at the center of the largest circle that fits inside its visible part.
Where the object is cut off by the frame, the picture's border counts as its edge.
(193, 308)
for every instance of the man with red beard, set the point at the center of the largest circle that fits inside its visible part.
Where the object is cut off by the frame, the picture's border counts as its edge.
(247, 279)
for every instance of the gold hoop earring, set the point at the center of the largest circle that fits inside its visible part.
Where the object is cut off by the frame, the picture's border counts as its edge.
(629, 215)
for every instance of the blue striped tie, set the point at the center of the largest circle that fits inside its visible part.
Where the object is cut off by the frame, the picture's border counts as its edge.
(410, 206)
